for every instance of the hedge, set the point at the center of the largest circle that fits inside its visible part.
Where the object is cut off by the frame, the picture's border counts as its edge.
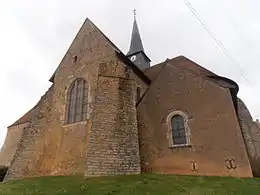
(3, 171)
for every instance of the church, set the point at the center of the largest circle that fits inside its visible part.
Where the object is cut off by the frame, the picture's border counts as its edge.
(110, 113)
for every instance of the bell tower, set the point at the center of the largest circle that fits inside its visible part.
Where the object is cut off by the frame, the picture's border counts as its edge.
(136, 52)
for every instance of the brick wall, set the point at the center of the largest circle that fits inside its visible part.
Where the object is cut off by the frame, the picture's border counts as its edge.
(215, 132)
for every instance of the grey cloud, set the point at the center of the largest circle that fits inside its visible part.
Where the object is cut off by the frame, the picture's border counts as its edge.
(167, 28)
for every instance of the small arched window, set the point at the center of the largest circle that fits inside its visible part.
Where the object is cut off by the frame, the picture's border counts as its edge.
(178, 130)
(179, 134)
(77, 104)
(138, 93)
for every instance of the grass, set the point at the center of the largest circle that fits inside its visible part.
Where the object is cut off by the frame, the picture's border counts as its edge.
(147, 184)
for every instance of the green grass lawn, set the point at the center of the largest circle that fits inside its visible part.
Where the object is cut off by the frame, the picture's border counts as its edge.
(151, 184)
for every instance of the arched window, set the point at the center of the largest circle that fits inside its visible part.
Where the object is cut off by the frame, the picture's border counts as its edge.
(77, 104)
(178, 130)
(179, 134)
(138, 93)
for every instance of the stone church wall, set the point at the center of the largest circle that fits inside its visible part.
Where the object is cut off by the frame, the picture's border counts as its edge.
(214, 130)
(255, 130)
(251, 134)
(113, 139)
(49, 146)
(60, 149)
(246, 122)
(27, 156)
(11, 143)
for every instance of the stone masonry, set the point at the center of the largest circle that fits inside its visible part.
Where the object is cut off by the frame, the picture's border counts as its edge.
(113, 140)
(251, 132)
(11, 143)
(214, 130)
(50, 147)
(126, 135)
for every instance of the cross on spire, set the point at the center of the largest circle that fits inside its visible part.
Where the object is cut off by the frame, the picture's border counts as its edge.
(134, 10)
(136, 48)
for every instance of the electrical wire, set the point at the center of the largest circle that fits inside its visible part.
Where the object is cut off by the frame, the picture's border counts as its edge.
(218, 41)
(220, 44)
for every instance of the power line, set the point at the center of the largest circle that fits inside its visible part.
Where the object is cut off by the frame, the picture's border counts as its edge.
(214, 37)
(220, 44)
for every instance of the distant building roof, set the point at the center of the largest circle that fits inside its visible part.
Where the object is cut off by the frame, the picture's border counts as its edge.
(24, 119)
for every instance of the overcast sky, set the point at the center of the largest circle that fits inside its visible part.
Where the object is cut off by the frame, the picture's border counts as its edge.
(34, 36)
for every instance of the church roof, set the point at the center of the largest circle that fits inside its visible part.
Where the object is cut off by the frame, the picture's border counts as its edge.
(27, 117)
(24, 119)
(181, 62)
(186, 63)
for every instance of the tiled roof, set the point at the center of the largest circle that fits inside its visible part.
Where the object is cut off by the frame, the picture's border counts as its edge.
(25, 118)
(186, 63)
(181, 62)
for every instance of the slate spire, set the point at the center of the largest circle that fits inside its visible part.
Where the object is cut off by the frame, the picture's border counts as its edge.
(136, 41)
(136, 52)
